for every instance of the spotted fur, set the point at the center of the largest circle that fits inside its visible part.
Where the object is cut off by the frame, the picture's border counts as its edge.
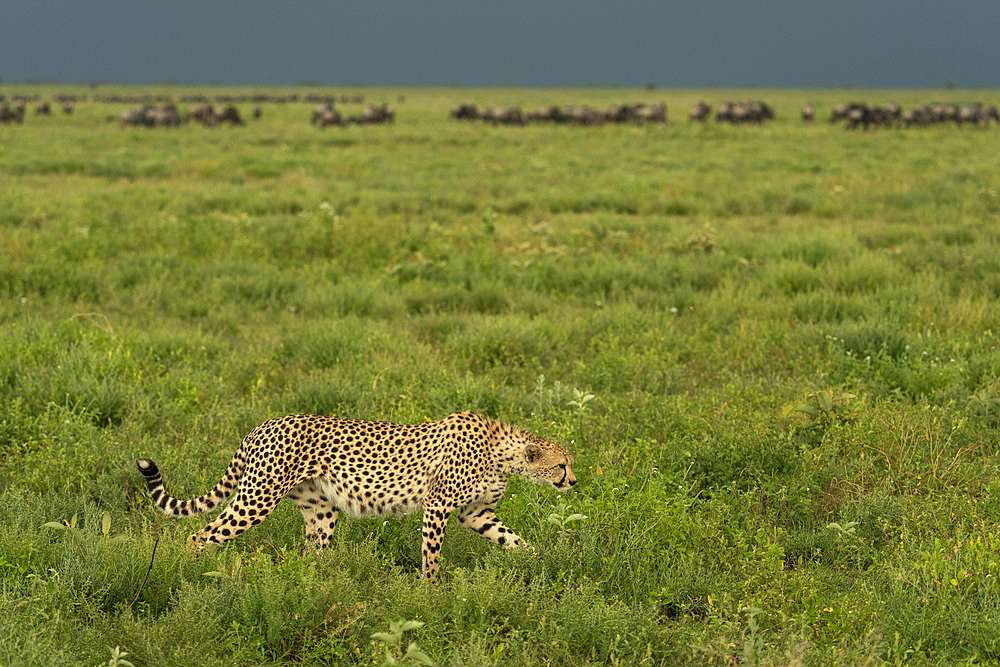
(327, 465)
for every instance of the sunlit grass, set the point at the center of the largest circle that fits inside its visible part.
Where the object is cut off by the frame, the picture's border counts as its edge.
(791, 333)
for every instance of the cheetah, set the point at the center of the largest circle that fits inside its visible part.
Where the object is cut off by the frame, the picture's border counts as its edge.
(329, 465)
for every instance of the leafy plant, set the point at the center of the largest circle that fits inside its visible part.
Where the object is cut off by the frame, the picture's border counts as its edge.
(232, 573)
(985, 404)
(700, 241)
(118, 658)
(94, 542)
(822, 409)
(580, 400)
(825, 406)
(753, 643)
(9, 569)
(848, 529)
(394, 654)
(562, 516)
(489, 218)
(547, 395)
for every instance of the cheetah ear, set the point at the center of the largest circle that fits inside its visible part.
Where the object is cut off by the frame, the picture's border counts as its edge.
(532, 452)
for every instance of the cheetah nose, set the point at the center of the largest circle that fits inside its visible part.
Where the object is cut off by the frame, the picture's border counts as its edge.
(572, 482)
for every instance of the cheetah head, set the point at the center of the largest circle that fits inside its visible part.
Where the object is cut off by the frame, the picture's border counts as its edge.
(549, 463)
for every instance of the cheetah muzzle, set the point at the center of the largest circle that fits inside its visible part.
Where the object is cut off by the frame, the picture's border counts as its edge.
(327, 465)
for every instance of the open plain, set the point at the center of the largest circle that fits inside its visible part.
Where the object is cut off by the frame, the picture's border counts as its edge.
(774, 350)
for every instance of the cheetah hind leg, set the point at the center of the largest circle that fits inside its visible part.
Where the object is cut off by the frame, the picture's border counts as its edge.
(318, 513)
(241, 515)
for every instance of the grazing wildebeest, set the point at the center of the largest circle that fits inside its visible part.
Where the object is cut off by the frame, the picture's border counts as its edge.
(319, 110)
(203, 113)
(583, 115)
(230, 114)
(329, 116)
(503, 116)
(11, 114)
(699, 113)
(163, 116)
(464, 112)
(645, 113)
(375, 115)
(550, 114)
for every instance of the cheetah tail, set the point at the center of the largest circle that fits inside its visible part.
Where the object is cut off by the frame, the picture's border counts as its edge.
(206, 503)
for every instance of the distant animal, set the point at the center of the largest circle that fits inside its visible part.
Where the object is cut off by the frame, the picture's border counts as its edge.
(163, 116)
(503, 116)
(203, 113)
(318, 111)
(375, 115)
(151, 116)
(738, 113)
(840, 111)
(9, 114)
(464, 112)
(136, 117)
(578, 115)
(229, 114)
(329, 116)
(699, 113)
(645, 113)
(549, 114)
(724, 112)
(858, 117)
(327, 465)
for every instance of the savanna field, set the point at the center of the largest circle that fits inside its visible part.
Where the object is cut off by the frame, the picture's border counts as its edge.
(774, 351)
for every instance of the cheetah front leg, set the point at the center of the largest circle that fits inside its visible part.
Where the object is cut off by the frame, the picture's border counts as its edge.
(435, 520)
(481, 518)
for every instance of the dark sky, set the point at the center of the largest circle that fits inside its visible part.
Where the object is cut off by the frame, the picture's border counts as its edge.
(676, 43)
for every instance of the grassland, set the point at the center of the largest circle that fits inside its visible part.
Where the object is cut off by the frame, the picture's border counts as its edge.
(791, 333)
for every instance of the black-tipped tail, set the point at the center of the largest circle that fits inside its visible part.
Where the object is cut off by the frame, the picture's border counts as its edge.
(147, 468)
(206, 503)
(155, 485)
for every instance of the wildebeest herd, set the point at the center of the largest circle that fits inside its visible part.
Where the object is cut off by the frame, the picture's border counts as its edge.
(567, 114)
(736, 113)
(168, 115)
(162, 111)
(15, 111)
(327, 114)
(859, 115)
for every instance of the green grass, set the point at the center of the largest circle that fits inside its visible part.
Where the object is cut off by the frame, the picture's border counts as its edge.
(791, 331)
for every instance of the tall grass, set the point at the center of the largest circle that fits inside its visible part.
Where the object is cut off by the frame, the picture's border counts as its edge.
(791, 332)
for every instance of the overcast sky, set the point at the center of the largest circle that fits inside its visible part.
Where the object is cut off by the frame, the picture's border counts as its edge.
(673, 43)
